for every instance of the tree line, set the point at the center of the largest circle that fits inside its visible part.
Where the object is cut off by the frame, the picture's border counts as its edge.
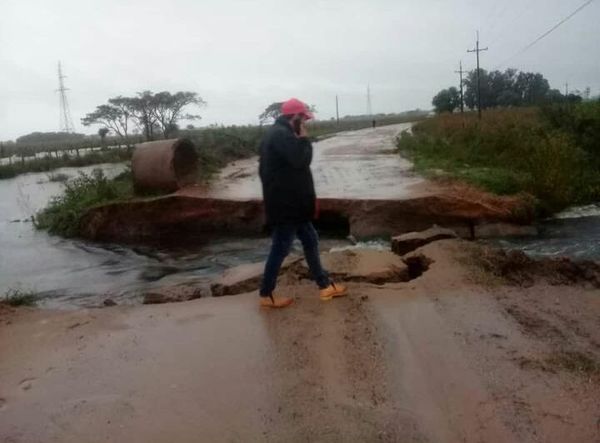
(153, 114)
(502, 89)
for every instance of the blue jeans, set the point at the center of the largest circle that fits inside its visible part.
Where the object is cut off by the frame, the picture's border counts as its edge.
(282, 239)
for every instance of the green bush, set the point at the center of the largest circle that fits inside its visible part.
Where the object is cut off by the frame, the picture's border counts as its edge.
(64, 212)
(19, 297)
(581, 121)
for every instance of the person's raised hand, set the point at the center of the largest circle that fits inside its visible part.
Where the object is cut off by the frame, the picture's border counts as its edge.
(303, 132)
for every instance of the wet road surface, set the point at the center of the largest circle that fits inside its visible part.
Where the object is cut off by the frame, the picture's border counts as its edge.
(355, 164)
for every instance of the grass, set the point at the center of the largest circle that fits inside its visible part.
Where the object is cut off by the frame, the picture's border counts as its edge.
(510, 151)
(219, 146)
(64, 212)
(19, 297)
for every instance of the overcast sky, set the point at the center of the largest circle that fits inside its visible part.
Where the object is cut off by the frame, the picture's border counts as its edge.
(242, 55)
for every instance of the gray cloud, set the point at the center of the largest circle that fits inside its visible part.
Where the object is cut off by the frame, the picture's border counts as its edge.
(242, 55)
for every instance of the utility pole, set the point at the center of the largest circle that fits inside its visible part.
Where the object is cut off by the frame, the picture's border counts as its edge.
(567, 89)
(337, 110)
(66, 124)
(462, 101)
(477, 50)
(369, 108)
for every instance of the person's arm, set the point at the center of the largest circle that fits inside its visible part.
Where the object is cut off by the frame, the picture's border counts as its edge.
(297, 151)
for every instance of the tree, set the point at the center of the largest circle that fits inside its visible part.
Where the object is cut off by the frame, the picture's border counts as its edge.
(271, 112)
(471, 89)
(532, 87)
(554, 96)
(142, 108)
(168, 109)
(50, 137)
(103, 132)
(574, 98)
(447, 100)
(116, 115)
(508, 88)
(502, 90)
(148, 112)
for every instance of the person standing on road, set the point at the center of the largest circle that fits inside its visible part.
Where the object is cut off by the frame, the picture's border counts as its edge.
(290, 201)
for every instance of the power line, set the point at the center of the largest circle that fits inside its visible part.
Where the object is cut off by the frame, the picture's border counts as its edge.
(545, 34)
(462, 100)
(496, 34)
(477, 50)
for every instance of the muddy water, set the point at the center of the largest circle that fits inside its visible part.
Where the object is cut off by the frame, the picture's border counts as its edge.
(573, 233)
(73, 273)
(69, 273)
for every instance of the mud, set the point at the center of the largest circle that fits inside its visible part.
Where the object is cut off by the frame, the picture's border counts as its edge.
(436, 359)
(177, 217)
(522, 270)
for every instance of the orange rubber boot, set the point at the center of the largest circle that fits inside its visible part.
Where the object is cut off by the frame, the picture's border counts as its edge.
(332, 291)
(274, 301)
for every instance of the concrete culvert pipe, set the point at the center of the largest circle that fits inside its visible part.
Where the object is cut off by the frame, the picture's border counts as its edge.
(164, 165)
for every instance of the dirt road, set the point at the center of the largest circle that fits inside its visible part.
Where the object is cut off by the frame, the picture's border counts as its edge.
(437, 359)
(355, 164)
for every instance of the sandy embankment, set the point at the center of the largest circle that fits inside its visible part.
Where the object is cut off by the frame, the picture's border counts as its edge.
(454, 355)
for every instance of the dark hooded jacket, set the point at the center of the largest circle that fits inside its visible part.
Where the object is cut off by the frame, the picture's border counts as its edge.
(284, 169)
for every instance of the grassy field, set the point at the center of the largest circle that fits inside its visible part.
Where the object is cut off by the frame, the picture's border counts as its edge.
(550, 153)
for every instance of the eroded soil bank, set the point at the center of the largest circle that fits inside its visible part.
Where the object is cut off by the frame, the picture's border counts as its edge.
(459, 353)
(472, 214)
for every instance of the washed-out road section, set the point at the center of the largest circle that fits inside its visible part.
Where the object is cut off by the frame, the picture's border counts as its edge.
(364, 187)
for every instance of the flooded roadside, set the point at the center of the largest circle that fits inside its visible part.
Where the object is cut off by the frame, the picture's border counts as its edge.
(69, 273)
(75, 273)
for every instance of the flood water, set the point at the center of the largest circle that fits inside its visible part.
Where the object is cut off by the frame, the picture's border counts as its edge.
(68, 273)
(573, 233)
(74, 273)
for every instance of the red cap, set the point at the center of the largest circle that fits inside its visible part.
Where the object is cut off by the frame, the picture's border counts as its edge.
(294, 106)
